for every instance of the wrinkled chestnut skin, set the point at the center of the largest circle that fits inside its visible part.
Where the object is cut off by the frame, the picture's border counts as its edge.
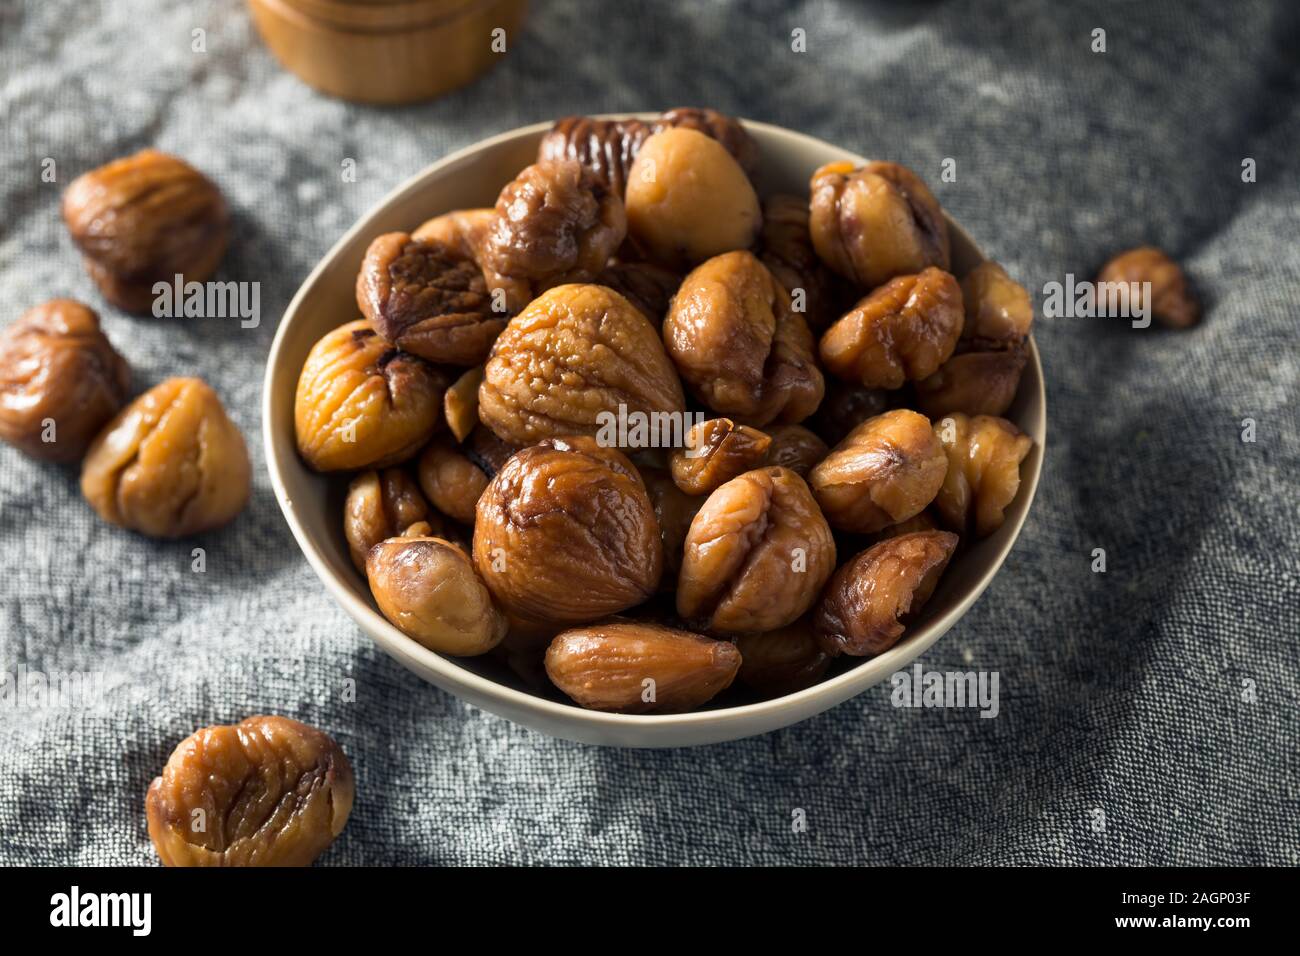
(466, 231)
(56, 364)
(170, 464)
(428, 589)
(143, 219)
(740, 348)
(887, 470)
(901, 332)
(738, 569)
(647, 286)
(566, 533)
(392, 400)
(604, 667)
(689, 200)
(426, 299)
(575, 352)
(451, 479)
(1172, 302)
(717, 450)
(786, 249)
(875, 223)
(606, 147)
(796, 448)
(674, 510)
(556, 223)
(976, 383)
(272, 791)
(379, 505)
(998, 309)
(871, 599)
(984, 455)
(847, 406)
(780, 662)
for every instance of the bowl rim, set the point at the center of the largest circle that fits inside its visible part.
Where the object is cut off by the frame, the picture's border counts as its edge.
(415, 656)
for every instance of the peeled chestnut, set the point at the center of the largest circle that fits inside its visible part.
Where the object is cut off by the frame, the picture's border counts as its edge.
(727, 130)
(267, 791)
(998, 309)
(757, 554)
(640, 668)
(379, 505)
(606, 147)
(1172, 302)
(460, 403)
(556, 223)
(976, 383)
(877, 222)
(887, 470)
(170, 464)
(688, 199)
(452, 479)
(716, 451)
(740, 348)
(428, 588)
(428, 299)
(984, 455)
(570, 359)
(566, 533)
(901, 332)
(872, 598)
(362, 403)
(144, 219)
(463, 231)
(60, 381)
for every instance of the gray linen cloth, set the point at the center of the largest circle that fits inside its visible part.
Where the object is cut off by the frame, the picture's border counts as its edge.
(1148, 714)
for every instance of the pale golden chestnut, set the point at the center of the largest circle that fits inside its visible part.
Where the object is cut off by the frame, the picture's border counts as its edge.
(268, 791)
(170, 464)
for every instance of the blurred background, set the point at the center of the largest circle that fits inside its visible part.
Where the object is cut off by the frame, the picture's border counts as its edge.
(1148, 713)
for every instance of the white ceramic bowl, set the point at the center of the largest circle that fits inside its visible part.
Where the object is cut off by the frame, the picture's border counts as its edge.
(312, 503)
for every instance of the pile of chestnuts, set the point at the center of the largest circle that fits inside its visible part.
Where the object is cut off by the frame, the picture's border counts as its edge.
(819, 404)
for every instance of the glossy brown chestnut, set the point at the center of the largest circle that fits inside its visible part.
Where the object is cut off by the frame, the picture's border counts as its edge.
(267, 791)
(571, 359)
(144, 219)
(875, 223)
(640, 668)
(871, 599)
(566, 533)
(887, 470)
(427, 299)
(170, 464)
(756, 556)
(362, 403)
(903, 331)
(740, 348)
(61, 380)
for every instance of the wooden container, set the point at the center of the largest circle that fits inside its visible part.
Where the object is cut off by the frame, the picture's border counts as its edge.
(388, 51)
